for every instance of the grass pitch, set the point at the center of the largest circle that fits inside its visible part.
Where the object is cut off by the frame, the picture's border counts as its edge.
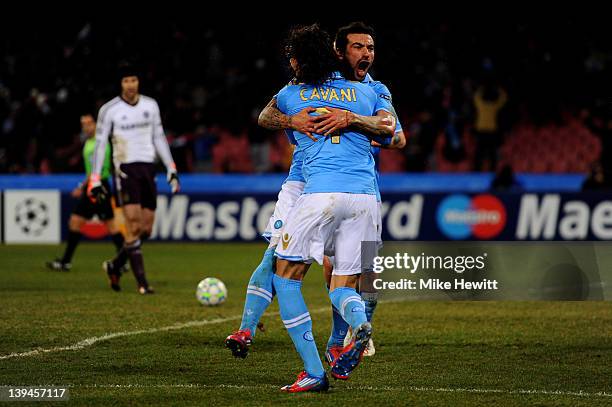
(127, 349)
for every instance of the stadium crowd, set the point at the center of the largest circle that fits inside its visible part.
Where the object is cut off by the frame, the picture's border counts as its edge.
(473, 97)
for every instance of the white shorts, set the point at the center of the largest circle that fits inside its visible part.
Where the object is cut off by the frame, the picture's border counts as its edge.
(331, 224)
(288, 195)
(379, 241)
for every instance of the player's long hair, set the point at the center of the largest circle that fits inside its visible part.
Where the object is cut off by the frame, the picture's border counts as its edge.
(312, 49)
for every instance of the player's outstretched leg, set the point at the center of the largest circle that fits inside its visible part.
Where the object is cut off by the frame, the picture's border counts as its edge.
(335, 343)
(65, 262)
(370, 301)
(134, 253)
(296, 319)
(339, 328)
(349, 303)
(369, 295)
(258, 297)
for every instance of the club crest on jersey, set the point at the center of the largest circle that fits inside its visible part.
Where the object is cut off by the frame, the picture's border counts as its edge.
(124, 117)
(278, 224)
(308, 336)
(146, 114)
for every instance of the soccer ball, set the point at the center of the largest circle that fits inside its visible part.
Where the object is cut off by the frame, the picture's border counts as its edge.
(211, 291)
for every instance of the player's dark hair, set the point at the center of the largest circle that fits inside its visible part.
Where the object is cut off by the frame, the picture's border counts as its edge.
(356, 27)
(312, 49)
(127, 68)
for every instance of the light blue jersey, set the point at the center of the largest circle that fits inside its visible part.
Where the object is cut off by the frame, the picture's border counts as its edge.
(335, 163)
(297, 161)
(383, 92)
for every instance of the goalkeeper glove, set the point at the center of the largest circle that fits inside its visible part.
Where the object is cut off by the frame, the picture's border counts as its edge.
(95, 190)
(173, 180)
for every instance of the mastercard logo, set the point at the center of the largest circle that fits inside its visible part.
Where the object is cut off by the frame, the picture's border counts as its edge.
(461, 217)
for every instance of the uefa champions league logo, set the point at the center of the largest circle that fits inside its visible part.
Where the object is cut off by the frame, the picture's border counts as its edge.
(32, 216)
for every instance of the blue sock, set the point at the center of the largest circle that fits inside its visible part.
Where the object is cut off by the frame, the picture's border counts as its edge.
(297, 320)
(349, 303)
(371, 301)
(259, 292)
(338, 330)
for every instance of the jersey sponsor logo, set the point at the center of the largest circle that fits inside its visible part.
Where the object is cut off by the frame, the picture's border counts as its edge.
(132, 126)
(482, 216)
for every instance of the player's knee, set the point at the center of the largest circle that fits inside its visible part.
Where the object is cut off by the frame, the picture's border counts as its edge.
(112, 227)
(135, 229)
(290, 270)
(349, 281)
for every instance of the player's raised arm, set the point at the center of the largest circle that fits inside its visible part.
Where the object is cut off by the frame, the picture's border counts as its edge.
(272, 118)
(163, 150)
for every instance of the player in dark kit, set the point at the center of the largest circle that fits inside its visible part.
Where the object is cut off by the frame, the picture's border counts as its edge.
(85, 209)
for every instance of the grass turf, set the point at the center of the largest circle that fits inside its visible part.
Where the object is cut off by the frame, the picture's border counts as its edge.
(428, 353)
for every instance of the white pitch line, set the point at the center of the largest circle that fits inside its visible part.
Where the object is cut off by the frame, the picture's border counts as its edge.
(95, 339)
(360, 388)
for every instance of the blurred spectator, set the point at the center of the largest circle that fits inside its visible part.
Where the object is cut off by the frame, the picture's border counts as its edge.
(51, 75)
(489, 99)
(180, 128)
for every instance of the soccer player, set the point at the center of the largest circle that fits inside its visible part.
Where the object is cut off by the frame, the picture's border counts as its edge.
(337, 209)
(354, 46)
(133, 122)
(85, 209)
(259, 291)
